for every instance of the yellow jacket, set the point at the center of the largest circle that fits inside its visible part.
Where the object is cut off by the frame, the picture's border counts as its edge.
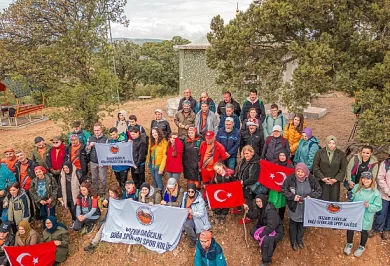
(293, 136)
(157, 155)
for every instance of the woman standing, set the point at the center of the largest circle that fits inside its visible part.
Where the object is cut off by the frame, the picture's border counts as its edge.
(87, 209)
(293, 132)
(69, 189)
(44, 192)
(174, 165)
(362, 162)
(59, 233)
(191, 157)
(329, 169)
(248, 173)
(269, 228)
(157, 157)
(307, 148)
(26, 236)
(296, 188)
(18, 206)
(364, 191)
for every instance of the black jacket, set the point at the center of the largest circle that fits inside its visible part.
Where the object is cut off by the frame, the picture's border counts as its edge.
(322, 168)
(258, 105)
(139, 151)
(192, 102)
(291, 183)
(256, 140)
(163, 125)
(92, 153)
(222, 105)
(191, 159)
(83, 157)
(248, 173)
(30, 169)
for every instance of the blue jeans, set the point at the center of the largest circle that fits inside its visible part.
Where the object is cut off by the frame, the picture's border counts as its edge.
(231, 163)
(174, 175)
(382, 220)
(157, 179)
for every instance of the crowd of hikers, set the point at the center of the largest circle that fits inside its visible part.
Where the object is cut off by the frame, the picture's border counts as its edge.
(212, 144)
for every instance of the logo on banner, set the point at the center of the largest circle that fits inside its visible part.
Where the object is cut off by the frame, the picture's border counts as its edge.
(145, 215)
(333, 208)
(114, 149)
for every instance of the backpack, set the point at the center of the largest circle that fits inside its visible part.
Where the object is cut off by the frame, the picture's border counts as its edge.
(311, 144)
(268, 140)
(89, 202)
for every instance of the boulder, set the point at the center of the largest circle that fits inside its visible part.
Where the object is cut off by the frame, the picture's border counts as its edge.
(172, 106)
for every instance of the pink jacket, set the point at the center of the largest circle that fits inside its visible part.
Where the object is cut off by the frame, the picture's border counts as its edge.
(383, 180)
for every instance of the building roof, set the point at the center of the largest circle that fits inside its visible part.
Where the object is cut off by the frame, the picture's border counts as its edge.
(199, 44)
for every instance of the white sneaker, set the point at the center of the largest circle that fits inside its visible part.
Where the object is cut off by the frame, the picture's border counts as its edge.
(348, 249)
(359, 251)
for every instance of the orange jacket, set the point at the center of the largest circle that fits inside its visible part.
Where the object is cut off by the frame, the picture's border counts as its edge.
(293, 136)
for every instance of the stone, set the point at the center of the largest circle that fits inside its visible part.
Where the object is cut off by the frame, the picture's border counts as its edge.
(172, 106)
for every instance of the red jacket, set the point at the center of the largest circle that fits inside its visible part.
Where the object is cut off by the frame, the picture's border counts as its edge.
(219, 153)
(56, 160)
(175, 164)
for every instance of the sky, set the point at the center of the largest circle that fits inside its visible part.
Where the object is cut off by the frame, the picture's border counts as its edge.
(163, 19)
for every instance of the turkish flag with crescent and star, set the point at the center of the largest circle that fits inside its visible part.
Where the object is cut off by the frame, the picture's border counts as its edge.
(34, 255)
(272, 175)
(225, 195)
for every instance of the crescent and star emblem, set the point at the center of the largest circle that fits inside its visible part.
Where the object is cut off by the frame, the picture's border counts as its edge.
(217, 198)
(21, 256)
(279, 183)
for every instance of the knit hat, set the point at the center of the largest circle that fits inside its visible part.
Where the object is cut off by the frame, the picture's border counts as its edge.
(252, 122)
(38, 139)
(209, 134)
(129, 182)
(367, 175)
(145, 185)
(9, 150)
(40, 168)
(5, 227)
(277, 128)
(303, 167)
(308, 131)
(76, 123)
(205, 235)
(186, 103)
(158, 111)
(74, 137)
(171, 182)
(191, 186)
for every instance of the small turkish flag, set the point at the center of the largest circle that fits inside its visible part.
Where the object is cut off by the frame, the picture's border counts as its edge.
(272, 175)
(34, 255)
(225, 195)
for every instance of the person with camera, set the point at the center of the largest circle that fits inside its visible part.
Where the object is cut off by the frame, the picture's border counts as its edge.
(296, 188)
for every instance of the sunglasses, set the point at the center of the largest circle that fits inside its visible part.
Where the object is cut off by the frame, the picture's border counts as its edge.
(191, 191)
(55, 142)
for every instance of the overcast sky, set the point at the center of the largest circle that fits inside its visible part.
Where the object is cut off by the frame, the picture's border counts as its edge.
(167, 18)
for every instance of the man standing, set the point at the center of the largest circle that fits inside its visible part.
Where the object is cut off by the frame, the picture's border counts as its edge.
(276, 117)
(96, 170)
(161, 123)
(120, 171)
(81, 133)
(10, 159)
(204, 97)
(253, 102)
(184, 119)
(40, 152)
(229, 112)
(77, 155)
(211, 152)
(187, 97)
(229, 137)
(253, 136)
(139, 157)
(274, 144)
(56, 157)
(227, 98)
(206, 120)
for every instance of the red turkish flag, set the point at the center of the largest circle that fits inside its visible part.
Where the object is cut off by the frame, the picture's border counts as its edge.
(225, 195)
(34, 255)
(272, 175)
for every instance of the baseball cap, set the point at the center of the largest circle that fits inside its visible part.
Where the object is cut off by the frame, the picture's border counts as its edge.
(209, 134)
(252, 122)
(9, 150)
(38, 139)
(56, 138)
(74, 136)
(4, 227)
(367, 175)
(158, 111)
(171, 182)
(277, 128)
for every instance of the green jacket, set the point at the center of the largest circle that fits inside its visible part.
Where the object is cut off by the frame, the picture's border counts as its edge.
(51, 190)
(36, 157)
(270, 122)
(306, 151)
(374, 204)
(62, 235)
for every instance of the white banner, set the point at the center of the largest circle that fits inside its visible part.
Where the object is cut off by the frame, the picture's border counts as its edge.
(156, 227)
(119, 153)
(339, 215)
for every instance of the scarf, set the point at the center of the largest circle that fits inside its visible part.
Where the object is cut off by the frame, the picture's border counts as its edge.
(27, 228)
(168, 197)
(328, 151)
(55, 223)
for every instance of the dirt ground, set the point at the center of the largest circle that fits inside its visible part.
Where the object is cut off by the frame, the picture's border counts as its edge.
(322, 246)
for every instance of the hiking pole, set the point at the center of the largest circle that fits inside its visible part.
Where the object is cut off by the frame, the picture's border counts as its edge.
(353, 132)
(243, 222)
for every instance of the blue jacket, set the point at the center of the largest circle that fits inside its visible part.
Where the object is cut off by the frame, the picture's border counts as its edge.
(306, 151)
(7, 178)
(222, 119)
(231, 141)
(119, 168)
(211, 106)
(213, 257)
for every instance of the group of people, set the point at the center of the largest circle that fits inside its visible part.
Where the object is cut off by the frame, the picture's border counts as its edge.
(204, 149)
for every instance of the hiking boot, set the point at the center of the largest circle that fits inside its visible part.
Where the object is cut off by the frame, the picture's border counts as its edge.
(90, 248)
(245, 221)
(385, 235)
(90, 228)
(359, 251)
(348, 249)
(294, 246)
(264, 264)
(71, 225)
(222, 221)
(371, 233)
(192, 244)
(301, 245)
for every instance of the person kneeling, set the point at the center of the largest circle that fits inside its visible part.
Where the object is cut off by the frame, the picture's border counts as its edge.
(269, 228)
(208, 251)
(59, 233)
